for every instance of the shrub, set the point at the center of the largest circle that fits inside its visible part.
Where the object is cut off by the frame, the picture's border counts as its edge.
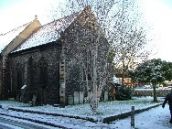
(123, 93)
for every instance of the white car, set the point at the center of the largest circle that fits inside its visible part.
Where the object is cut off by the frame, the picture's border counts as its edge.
(147, 86)
(169, 86)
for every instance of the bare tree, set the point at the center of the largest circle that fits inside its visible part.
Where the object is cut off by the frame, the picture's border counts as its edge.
(107, 20)
(130, 51)
(129, 39)
(101, 20)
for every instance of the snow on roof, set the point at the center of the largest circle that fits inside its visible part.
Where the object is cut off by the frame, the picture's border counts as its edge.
(6, 38)
(47, 33)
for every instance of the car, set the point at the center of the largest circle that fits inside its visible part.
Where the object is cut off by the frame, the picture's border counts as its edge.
(147, 86)
(169, 86)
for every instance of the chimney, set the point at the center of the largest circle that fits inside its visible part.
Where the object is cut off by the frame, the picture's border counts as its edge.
(36, 17)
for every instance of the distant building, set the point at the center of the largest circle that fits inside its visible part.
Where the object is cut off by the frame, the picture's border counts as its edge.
(38, 62)
(125, 80)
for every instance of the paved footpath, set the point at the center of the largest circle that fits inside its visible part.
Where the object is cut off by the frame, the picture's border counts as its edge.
(156, 118)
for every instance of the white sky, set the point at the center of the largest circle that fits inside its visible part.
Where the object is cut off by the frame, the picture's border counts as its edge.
(157, 13)
(24, 11)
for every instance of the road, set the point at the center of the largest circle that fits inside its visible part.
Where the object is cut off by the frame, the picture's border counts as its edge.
(7, 122)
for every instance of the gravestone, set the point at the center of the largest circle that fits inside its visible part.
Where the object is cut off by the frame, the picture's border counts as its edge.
(105, 96)
(70, 100)
(23, 93)
(34, 100)
(76, 97)
(81, 98)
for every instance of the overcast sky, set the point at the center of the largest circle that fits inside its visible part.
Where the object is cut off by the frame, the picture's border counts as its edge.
(17, 12)
(157, 15)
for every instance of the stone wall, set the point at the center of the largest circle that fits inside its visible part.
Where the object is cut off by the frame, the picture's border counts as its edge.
(149, 92)
(79, 43)
(38, 69)
(18, 40)
(0, 76)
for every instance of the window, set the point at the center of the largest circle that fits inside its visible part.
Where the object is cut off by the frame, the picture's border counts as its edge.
(43, 73)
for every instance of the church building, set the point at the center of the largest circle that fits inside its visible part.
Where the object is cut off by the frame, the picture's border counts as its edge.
(45, 62)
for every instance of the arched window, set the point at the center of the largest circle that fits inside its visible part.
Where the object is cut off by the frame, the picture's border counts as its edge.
(20, 78)
(30, 72)
(43, 77)
(43, 73)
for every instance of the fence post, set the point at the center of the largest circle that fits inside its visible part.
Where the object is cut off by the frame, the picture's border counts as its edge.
(132, 117)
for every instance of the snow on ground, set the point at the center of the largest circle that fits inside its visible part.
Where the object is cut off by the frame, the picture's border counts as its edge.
(7, 126)
(56, 120)
(157, 118)
(28, 122)
(105, 108)
(10, 103)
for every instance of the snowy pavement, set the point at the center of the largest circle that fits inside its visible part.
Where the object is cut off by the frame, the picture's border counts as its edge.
(13, 123)
(156, 118)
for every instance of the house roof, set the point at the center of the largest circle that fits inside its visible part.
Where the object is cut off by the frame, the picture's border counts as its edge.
(8, 37)
(47, 33)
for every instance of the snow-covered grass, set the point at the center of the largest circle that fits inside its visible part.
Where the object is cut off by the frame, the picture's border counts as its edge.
(105, 109)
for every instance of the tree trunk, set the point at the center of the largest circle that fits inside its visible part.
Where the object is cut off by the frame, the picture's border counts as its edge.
(123, 72)
(86, 78)
(154, 93)
(93, 97)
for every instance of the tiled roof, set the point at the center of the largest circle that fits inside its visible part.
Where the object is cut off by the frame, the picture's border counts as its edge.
(47, 33)
(6, 38)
